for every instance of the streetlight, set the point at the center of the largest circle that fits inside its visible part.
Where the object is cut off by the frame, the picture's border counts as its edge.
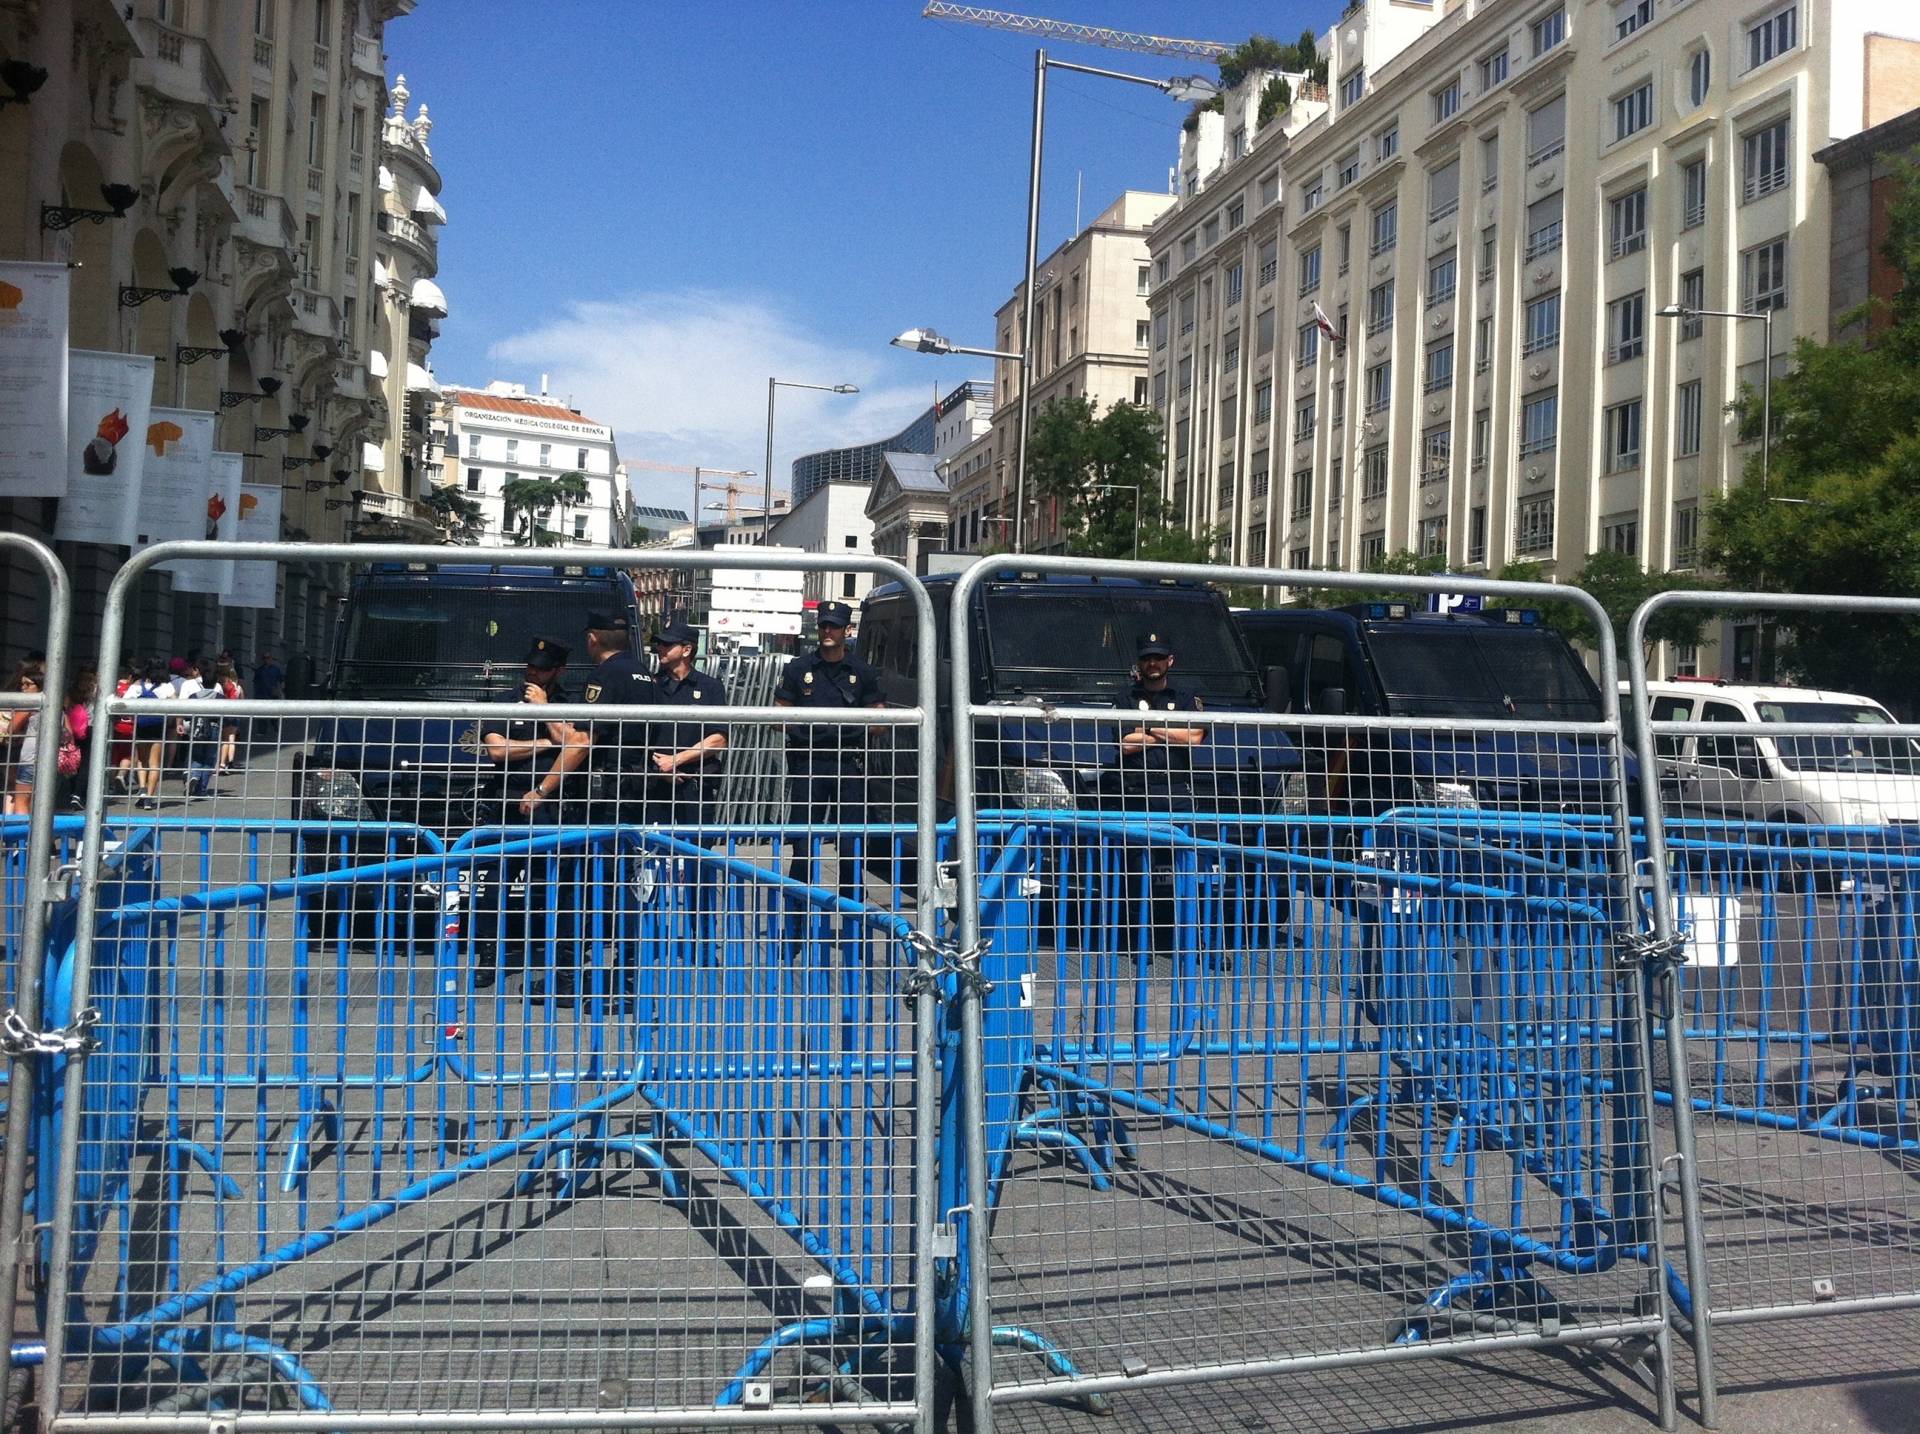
(1765, 319)
(1134, 488)
(1181, 87)
(766, 503)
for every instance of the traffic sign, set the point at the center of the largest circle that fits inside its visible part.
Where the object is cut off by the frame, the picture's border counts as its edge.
(1454, 602)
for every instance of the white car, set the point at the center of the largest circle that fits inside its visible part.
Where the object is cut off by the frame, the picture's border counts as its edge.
(1832, 780)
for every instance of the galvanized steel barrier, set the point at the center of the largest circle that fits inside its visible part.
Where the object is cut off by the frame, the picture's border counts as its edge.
(1787, 840)
(1241, 990)
(393, 1107)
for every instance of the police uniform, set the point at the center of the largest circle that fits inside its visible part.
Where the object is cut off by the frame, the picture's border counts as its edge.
(619, 755)
(826, 765)
(683, 799)
(519, 775)
(1163, 768)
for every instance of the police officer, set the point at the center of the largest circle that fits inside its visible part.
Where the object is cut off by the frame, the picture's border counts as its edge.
(680, 762)
(1158, 757)
(618, 747)
(826, 764)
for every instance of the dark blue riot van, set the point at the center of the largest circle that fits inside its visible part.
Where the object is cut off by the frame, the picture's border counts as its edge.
(1064, 640)
(435, 633)
(1487, 676)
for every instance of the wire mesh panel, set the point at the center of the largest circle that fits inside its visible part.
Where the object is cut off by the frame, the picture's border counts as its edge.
(1305, 1034)
(1787, 825)
(460, 1061)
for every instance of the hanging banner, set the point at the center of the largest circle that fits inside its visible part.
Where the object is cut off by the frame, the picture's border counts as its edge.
(33, 380)
(173, 490)
(256, 584)
(108, 401)
(219, 523)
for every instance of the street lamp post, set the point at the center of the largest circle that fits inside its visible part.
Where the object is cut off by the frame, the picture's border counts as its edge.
(1765, 319)
(1134, 488)
(766, 504)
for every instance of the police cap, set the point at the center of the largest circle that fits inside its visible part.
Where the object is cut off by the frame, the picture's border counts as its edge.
(833, 614)
(673, 633)
(608, 622)
(1153, 644)
(546, 653)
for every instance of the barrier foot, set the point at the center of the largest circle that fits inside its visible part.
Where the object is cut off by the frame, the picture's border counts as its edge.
(1502, 1294)
(224, 1185)
(182, 1345)
(299, 1152)
(1036, 1132)
(566, 1156)
(1056, 1359)
(837, 1330)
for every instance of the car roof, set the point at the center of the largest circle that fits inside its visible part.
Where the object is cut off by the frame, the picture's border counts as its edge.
(938, 582)
(1750, 692)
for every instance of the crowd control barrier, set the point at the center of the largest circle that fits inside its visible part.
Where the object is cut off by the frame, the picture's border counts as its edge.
(431, 1082)
(1279, 1070)
(1787, 841)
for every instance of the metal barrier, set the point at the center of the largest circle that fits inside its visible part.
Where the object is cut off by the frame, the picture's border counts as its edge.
(1284, 1074)
(1784, 838)
(27, 899)
(424, 1091)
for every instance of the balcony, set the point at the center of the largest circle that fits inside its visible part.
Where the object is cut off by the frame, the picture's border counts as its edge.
(316, 313)
(263, 54)
(183, 67)
(265, 218)
(414, 235)
(367, 58)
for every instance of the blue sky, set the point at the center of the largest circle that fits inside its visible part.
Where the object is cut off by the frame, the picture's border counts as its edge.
(661, 202)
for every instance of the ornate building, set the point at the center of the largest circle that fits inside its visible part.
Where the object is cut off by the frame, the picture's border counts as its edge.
(242, 143)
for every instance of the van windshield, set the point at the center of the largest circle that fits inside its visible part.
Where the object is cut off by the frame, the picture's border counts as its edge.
(1435, 670)
(1080, 642)
(454, 642)
(1863, 753)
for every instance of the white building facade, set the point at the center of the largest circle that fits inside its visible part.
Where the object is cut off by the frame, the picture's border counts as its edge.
(833, 520)
(502, 434)
(1495, 206)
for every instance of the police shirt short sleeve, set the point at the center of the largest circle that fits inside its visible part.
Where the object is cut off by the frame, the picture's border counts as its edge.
(713, 694)
(789, 689)
(872, 690)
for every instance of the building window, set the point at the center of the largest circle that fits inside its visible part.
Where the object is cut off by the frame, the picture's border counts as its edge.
(1446, 102)
(1543, 324)
(1300, 502)
(1627, 328)
(1347, 170)
(1311, 197)
(1334, 485)
(1269, 260)
(1263, 331)
(513, 449)
(357, 135)
(1229, 412)
(1442, 278)
(847, 581)
(1773, 36)
(1380, 308)
(1189, 249)
(1436, 455)
(1549, 30)
(1352, 86)
(1236, 281)
(1686, 533)
(1299, 558)
(1489, 253)
(1693, 295)
(1186, 314)
(1482, 437)
(473, 480)
(1544, 225)
(1547, 130)
(1261, 471)
(580, 459)
(1333, 549)
(1763, 276)
(1477, 533)
(1686, 419)
(1373, 547)
(1443, 190)
(1533, 525)
(1623, 436)
(316, 129)
(1386, 144)
(1373, 474)
(1236, 213)
(1310, 270)
(1385, 229)
(1493, 69)
(580, 527)
(1693, 194)
(1142, 333)
(1343, 246)
(1439, 366)
(1162, 321)
(257, 111)
(1483, 343)
(1620, 533)
(1309, 345)
(1627, 223)
(1630, 15)
(1699, 77)
(1230, 352)
(1269, 188)
(1256, 546)
(1763, 160)
(473, 445)
(1210, 234)
(1337, 402)
(353, 226)
(1223, 493)
(1139, 390)
(1490, 162)
(1160, 388)
(1305, 414)
(1433, 536)
(1539, 423)
(1633, 111)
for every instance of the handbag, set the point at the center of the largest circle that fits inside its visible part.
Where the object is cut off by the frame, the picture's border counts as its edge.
(68, 757)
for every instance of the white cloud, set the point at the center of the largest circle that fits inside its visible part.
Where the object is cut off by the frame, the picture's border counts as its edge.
(681, 376)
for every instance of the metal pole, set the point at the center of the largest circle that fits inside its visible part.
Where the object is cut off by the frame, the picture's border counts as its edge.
(1026, 322)
(766, 474)
(1136, 520)
(1766, 404)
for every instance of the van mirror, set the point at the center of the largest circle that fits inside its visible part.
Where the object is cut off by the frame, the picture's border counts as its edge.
(1332, 701)
(1279, 685)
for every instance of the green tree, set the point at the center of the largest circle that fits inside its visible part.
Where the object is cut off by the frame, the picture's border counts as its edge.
(528, 502)
(1096, 465)
(457, 515)
(1840, 510)
(1401, 562)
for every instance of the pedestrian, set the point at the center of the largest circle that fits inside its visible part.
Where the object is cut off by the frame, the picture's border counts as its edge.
(150, 734)
(228, 678)
(681, 761)
(826, 762)
(81, 693)
(203, 735)
(120, 752)
(58, 717)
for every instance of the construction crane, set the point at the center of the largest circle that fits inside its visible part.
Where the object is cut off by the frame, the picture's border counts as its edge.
(1209, 50)
(731, 488)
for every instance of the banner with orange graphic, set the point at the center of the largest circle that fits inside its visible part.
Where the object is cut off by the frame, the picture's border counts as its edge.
(33, 380)
(173, 491)
(219, 522)
(256, 584)
(109, 401)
